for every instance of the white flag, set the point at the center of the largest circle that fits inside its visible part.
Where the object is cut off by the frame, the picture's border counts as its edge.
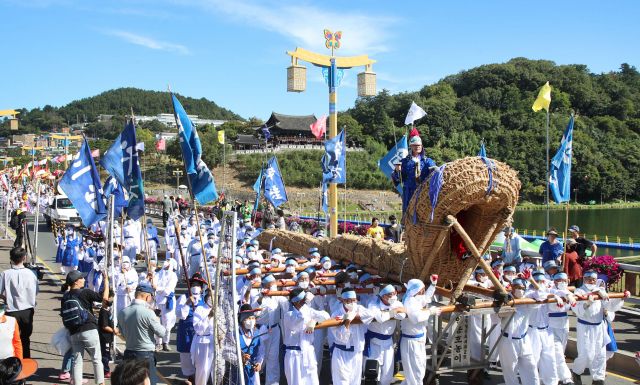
(415, 113)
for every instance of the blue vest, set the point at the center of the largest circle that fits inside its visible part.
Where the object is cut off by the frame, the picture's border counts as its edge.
(250, 375)
(185, 332)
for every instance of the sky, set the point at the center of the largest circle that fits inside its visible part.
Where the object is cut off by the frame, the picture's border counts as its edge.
(234, 51)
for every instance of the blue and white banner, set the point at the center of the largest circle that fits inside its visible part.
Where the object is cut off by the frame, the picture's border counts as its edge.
(483, 150)
(120, 196)
(81, 184)
(120, 158)
(334, 161)
(274, 190)
(325, 198)
(394, 156)
(560, 171)
(202, 185)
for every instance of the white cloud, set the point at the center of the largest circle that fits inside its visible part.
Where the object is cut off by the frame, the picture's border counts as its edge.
(148, 42)
(361, 34)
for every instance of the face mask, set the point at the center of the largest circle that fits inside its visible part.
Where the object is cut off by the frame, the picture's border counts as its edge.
(211, 242)
(562, 285)
(326, 265)
(518, 293)
(349, 306)
(126, 265)
(392, 300)
(183, 232)
(303, 284)
(290, 269)
(509, 277)
(273, 288)
(149, 226)
(590, 286)
(249, 324)
(483, 279)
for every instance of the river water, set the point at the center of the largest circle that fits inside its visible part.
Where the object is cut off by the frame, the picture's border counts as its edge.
(614, 223)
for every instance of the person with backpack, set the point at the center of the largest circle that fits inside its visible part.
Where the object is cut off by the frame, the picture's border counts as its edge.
(77, 316)
(16, 222)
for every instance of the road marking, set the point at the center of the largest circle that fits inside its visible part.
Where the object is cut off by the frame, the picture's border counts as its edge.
(51, 271)
(633, 380)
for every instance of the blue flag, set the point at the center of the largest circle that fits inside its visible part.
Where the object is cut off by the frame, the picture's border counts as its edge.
(325, 198)
(257, 187)
(394, 156)
(560, 172)
(334, 160)
(266, 132)
(120, 198)
(483, 150)
(81, 183)
(274, 189)
(202, 185)
(120, 158)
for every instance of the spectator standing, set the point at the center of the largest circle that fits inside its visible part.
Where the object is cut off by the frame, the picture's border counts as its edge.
(582, 244)
(511, 251)
(19, 287)
(375, 231)
(18, 218)
(167, 209)
(78, 303)
(393, 233)
(551, 249)
(10, 344)
(140, 326)
(572, 265)
(106, 333)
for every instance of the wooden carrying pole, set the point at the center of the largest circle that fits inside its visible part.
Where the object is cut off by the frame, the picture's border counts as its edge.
(176, 229)
(482, 305)
(474, 251)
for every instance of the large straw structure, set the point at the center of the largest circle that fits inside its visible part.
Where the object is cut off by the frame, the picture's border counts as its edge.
(427, 249)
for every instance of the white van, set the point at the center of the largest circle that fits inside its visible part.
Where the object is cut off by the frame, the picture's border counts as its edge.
(61, 210)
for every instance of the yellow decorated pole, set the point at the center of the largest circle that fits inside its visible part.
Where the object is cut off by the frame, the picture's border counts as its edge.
(296, 83)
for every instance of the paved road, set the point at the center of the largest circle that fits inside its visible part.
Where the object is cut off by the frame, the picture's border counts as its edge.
(48, 322)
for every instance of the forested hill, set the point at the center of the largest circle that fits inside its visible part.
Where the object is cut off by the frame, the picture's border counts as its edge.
(494, 102)
(116, 102)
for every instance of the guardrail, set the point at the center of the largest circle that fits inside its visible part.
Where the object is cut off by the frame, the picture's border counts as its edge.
(630, 280)
(604, 240)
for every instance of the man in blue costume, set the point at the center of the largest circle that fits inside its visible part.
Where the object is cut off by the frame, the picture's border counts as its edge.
(413, 169)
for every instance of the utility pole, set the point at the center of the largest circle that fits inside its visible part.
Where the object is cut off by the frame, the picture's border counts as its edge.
(178, 174)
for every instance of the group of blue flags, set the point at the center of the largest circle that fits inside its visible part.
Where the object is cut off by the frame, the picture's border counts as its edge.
(81, 181)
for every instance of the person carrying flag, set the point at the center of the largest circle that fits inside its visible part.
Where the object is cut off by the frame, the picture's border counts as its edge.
(413, 169)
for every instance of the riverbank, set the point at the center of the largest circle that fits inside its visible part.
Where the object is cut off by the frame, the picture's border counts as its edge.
(577, 206)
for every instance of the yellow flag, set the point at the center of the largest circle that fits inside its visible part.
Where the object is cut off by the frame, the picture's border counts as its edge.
(221, 136)
(544, 98)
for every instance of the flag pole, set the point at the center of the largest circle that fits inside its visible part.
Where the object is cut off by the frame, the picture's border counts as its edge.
(547, 165)
(195, 205)
(176, 230)
(345, 179)
(566, 237)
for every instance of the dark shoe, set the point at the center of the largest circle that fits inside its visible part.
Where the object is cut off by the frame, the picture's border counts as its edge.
(165, 348)
(577, 380)
(598, 382)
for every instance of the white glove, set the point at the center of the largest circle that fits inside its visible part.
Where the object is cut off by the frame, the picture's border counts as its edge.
(308, 298)
(351, 315)
(603, 294)
(559, 300)
(392, 313)
(435, 310)
(571, 299)
(376, 290)
(434, 279)
(310, 327)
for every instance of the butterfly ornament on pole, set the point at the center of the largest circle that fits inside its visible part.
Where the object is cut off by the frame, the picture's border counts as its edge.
(332, 40)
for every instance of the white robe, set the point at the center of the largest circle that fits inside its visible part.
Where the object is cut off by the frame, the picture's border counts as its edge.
(125, 280)
(166, 281)
(412, 344)
(382, 350)
(348, 344)
(202, 346)
(270, 318)
(300, 366)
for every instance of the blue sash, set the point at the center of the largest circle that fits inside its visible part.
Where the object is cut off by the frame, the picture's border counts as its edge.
(341, 347)
(170, 301)
(613, 345)
(368, 336)
(581, 321)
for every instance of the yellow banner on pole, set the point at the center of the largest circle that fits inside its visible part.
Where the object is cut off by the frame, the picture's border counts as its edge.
(221, 136)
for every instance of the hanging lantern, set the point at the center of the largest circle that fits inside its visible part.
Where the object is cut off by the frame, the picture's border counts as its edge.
(367, 82)
(296, 78)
